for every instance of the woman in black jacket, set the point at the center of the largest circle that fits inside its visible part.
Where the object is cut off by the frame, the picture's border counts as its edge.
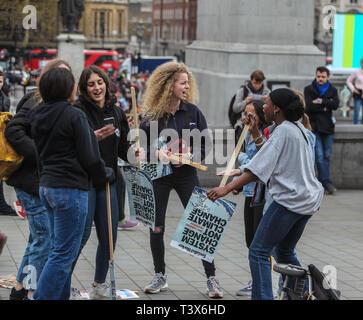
(25, 181)
(168, 101)
(69, 160)
(110, 125)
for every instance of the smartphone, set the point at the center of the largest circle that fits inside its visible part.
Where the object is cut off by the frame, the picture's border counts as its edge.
(109, 121)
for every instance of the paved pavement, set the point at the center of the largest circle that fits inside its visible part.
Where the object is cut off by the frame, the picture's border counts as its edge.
(332, 237)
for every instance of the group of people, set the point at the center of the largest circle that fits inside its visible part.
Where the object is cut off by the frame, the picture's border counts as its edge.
(70, 154)
(289, 132)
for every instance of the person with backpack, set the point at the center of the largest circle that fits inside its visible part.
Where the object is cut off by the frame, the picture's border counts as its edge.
(284, 163)
(254, 89)
(5, 209)
(69, 163)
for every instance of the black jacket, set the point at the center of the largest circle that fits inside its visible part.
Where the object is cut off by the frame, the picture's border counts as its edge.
(188, 117)
(115, 145)
(321, 114)
(17, 133)
(67, 147)
(4, 102)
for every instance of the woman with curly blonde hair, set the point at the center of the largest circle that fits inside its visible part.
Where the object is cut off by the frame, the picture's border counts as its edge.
(158, 96)
(169, 102)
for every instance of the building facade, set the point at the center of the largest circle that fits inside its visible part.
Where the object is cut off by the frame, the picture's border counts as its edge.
(105, 24)
(140, 26)
(174, 26)
(17, 39)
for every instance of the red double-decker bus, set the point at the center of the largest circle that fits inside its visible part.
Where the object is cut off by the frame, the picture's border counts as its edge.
(105, 59)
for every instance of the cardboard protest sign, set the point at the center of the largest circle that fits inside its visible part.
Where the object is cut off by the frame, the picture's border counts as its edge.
(202, 226)
(140, 192)
(156, 170)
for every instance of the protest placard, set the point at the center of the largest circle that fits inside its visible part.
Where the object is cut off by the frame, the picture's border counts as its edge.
(202, 226)
(140, 192)
(156, 170)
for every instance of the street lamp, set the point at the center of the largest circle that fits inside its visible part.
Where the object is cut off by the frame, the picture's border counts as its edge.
(164, 44)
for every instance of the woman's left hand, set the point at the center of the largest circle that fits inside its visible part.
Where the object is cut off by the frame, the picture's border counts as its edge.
(216, 193)
(104, 132)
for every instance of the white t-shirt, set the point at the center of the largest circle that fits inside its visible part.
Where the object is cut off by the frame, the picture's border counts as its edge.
(285, 165)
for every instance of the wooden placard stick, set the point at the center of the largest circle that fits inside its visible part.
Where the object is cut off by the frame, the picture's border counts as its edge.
(136, 122)
(234, 156)
(185, 161)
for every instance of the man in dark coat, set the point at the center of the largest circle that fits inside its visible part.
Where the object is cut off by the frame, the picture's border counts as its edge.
(321, 99)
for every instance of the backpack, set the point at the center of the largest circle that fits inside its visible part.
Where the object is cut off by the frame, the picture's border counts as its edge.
(232, 116)
(322, 289)
(10, 160)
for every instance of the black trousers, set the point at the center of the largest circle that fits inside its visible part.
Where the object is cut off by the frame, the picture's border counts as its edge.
(252, 217)
(3, 203)
(121, 194)
(183, 180)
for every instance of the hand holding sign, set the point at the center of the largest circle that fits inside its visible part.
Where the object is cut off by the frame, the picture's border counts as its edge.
(223, 190)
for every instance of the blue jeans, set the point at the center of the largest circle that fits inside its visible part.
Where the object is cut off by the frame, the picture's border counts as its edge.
(279, 229)
(97, 212)
(323, 148)
(37, 250)
(358, 105)
(67, 214)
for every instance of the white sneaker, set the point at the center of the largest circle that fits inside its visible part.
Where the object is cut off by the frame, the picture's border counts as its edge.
(214, 290)
(100, 292)
(245, 291)
(76, 295)
(157, 284)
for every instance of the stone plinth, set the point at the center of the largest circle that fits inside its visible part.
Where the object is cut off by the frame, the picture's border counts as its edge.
(236, 37)
(71, 49)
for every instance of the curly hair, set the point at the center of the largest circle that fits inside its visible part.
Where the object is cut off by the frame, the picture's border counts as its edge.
(159, 89)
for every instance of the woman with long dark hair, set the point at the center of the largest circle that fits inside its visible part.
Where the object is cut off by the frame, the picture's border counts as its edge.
(110, 125)
(254, 140)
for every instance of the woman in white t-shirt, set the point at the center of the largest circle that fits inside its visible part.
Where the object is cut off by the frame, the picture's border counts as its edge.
(284, 163)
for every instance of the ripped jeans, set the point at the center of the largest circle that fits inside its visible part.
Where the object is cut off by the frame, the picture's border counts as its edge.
(183, 180)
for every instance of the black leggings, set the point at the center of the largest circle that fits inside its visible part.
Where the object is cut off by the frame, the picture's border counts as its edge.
(252, 217)
(183, 180)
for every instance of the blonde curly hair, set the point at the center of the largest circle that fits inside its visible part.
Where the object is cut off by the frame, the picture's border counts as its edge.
(159, 89)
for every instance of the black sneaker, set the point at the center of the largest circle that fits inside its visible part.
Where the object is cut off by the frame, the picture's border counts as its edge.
(18, 295)
(330, 189)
